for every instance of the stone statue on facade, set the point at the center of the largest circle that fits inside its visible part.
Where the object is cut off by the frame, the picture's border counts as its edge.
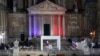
(14, 6)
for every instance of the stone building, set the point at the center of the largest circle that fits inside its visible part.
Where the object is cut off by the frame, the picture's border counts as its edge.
(18, 21)
(78, 18)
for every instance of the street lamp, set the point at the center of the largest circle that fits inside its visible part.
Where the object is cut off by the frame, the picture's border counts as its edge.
(92, 34)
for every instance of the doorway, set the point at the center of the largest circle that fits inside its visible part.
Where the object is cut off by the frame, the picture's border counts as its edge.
(46, 29)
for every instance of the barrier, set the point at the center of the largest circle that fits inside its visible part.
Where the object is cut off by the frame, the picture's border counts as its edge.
(5, 53)
(65, 51)
(95, 51)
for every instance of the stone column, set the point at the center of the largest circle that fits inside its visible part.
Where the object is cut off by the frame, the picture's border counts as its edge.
(64, 26)
(1, 27)
(4, 20)
(35, 17)
(56, 24)
(37, 25)
(1, 21)
(32, 31)
(5, 26)
(51, 25)
(59, 24)
(30, 27)
(42, 28)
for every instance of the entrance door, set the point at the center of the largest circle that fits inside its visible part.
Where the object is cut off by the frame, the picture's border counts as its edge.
(46, 29)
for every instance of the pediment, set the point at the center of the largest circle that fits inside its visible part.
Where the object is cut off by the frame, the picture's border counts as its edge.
(46, 6)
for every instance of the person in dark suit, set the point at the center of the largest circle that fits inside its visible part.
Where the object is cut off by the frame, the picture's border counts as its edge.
(70, 40)
(96, 45)
(2, 46)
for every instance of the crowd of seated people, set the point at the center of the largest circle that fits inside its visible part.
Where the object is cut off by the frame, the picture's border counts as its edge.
(31, 44)
(4, 46)
(10, 45)
(91, 44)
(23, 44)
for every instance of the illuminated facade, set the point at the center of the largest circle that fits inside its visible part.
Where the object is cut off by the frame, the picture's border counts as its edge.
(46, 18)
(40, 15)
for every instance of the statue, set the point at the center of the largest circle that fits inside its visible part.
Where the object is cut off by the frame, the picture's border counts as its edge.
(83, 46)
(16, 48)
(16, 44)
(14, 6)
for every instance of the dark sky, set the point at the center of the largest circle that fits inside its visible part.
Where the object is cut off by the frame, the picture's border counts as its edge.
(90, 0)
(44, 0)
(10, 3)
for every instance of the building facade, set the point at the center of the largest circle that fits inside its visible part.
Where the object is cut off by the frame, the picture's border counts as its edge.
(18, 21)
(79, 17)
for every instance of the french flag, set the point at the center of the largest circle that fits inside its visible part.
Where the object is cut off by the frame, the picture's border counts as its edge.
(47, 43)
(74, 44)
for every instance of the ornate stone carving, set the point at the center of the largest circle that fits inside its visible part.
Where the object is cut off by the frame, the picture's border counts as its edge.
(47, 5)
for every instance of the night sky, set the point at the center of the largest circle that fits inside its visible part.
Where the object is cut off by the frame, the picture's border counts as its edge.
(10, 3)
(39, 1)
